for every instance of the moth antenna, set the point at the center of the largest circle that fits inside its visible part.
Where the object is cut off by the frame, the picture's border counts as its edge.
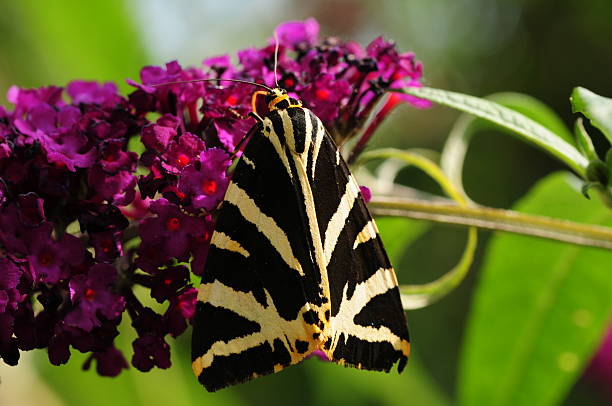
(276, 46)
(213, 80)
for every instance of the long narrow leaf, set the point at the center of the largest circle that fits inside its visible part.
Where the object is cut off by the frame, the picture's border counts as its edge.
(522, 126)
(540, 309)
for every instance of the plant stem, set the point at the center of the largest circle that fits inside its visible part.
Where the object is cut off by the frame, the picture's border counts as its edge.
(496, 219)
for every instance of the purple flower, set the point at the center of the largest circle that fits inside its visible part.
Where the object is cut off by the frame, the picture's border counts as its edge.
(10, 274)
(26, 99)
(113, 157)
(158, 136)
(49, 259)
(8, 344)
(31, 210)
(150, 348)
(181, 310)
(92, 296)
(366, 193)
(600, 368)
(170, 231)
(59, 349)
(295, 33)
(205, 180)
(150, 351)
(324, 96)
(168, 282)
(58, 135)
(107, 245)
(318, 354)
(109, 362)
(200, 245)
(221, 64)
(181, 152)
(81, 91)
(68, 160)
(118, 188)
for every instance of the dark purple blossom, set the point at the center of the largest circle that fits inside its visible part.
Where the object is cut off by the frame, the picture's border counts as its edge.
(181, 152)
(10, 274)
(200, 244)
(296, 33)
(158, 136)
(366, 193)
(50, 260)
(107, 245)
(109, 362)
(150, 351)
(171, 229)
(599, 370)
(181, 310)
(168, 282)
(93, 93)
(95, 198)
(92, 296)
(55, 130)
(325, 96)
(205, 180)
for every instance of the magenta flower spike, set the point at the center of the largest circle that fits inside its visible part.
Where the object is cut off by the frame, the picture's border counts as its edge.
(86, 171)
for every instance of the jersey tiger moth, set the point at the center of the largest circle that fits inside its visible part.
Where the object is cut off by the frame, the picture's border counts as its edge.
(296, 263)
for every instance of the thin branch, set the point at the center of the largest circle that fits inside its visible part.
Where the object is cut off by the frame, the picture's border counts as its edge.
(496, 219)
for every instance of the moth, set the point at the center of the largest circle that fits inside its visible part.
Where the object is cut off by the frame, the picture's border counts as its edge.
(296, 264)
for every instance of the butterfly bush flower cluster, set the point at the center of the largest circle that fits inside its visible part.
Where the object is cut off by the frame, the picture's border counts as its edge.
(107, 202)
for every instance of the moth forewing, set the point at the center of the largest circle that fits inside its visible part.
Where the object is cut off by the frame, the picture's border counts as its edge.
(296, 263)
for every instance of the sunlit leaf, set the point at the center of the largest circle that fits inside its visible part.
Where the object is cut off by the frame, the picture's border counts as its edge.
(596, 108)
(520, 125)
(466, 126)
(540, 307)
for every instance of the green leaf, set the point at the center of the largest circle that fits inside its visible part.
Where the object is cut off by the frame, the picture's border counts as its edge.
(596, 108)
(350, 386)
(520, 125)
(69, 40)
(397, 233)
(585, 144)
(455, 149)
(534, 109)
(540, 309)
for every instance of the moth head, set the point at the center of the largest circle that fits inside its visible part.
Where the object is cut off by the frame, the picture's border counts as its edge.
(278, 99)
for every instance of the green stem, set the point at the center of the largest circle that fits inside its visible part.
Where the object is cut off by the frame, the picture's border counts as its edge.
(496, 219)
(419, 296)
(420, 162)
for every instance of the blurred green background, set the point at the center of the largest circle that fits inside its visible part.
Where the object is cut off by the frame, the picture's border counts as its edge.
(541, 47)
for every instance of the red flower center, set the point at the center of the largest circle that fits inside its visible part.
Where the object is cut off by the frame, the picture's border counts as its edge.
(182, 160)
(107, 245)
(289, 82)
(110, 157)
(90, 294)
(209, 186)
(231, 100)
(45, 258)
(203, 237)
(322, 94)
(173, 223)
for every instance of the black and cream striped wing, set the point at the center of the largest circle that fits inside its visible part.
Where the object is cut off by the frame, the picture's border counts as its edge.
(254, 312)
(295, 264)
(368, 325)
